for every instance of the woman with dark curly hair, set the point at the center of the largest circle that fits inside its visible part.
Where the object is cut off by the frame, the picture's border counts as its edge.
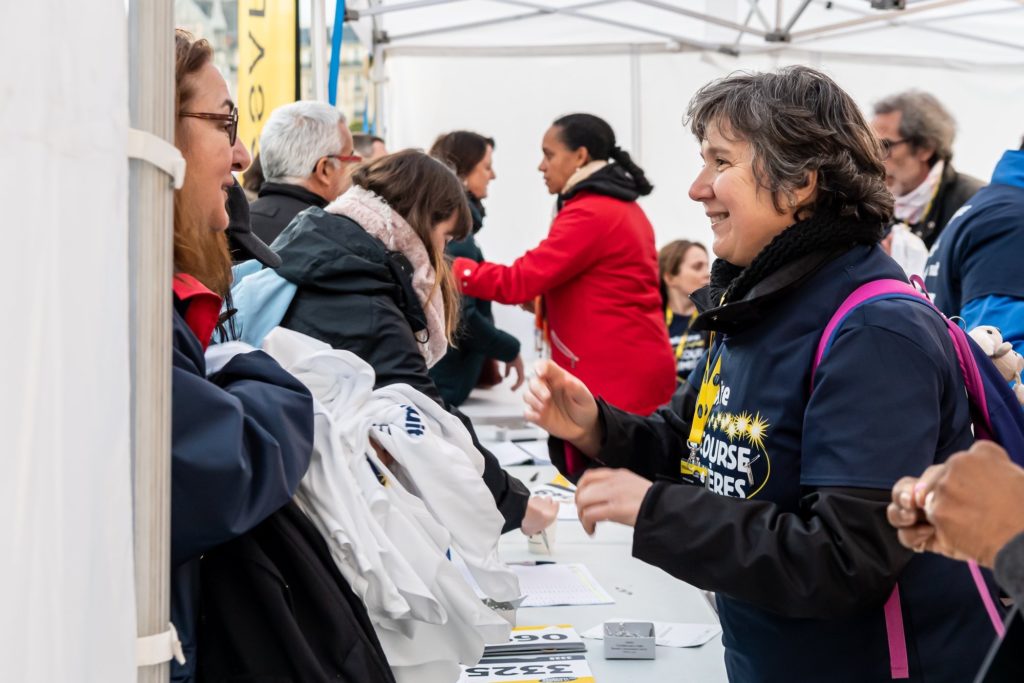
(782, 479)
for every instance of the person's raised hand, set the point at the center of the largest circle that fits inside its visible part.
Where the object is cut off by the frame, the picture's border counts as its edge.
(560, 404)
(608, 494)
(516, 365)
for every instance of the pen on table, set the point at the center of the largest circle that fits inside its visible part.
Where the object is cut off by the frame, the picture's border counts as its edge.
(534, 477)
(533, 563)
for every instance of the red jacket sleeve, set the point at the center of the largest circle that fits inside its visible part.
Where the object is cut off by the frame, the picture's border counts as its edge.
(577, 239)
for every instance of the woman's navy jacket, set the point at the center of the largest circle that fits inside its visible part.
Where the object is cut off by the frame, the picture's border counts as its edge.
(790, 531)
(241, 441)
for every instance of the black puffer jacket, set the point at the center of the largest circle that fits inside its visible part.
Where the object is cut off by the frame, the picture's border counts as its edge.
(356, 295)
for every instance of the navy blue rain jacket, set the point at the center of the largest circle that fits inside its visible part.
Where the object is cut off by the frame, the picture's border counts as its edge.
(241, 441)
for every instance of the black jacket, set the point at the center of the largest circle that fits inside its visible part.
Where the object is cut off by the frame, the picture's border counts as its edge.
(275, 608)
(477, 339)
(277, 205)
(356, 295)
(791, 530)
(954, 189)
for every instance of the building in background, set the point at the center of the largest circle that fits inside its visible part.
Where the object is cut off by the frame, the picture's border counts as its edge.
(217, 21)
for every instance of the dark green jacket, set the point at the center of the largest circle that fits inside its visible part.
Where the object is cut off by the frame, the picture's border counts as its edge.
(477, 339)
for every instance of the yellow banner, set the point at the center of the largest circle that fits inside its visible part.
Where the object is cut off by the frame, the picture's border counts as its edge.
(267, 69)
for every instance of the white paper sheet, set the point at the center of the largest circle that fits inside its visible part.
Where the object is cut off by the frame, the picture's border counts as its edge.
(508, 453)
(538, 450)
(667, 633)
(560, 584)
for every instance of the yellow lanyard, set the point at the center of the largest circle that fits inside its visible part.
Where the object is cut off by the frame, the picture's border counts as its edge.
(682, 345)
(709, 386)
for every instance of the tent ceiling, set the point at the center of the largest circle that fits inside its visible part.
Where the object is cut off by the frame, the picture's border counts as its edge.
(970, 33)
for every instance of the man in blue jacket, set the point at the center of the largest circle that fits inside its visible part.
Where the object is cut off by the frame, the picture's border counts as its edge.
(974, 270)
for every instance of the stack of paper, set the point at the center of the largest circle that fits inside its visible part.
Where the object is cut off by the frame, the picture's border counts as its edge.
(560, 584)
(535, 640)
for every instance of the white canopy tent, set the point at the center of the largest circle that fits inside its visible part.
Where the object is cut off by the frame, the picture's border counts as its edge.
(507, 68)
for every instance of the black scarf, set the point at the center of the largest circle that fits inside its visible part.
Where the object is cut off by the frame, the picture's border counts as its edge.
(823, 232)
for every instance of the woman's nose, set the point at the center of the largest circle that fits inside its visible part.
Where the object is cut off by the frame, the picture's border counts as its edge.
(240, 158)
(701, 189)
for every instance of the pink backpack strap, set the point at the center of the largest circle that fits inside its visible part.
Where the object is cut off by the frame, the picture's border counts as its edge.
(875, 289)
(889, 289)
(899, 666)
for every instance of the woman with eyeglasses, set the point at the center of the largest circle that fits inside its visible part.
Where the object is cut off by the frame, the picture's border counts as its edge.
(242, 427)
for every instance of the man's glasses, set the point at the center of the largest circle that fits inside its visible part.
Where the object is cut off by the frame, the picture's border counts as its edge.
(887, 146)
(232, 120)
(343, 158)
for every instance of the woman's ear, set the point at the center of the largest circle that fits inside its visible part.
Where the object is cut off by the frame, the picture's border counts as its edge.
(582, 157)
(806, 193)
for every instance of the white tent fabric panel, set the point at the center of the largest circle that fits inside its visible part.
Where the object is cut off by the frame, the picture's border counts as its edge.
(66, 575)
(515, 98)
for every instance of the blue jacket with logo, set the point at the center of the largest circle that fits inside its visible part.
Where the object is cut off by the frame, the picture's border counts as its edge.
(976, 268)
(790, 531)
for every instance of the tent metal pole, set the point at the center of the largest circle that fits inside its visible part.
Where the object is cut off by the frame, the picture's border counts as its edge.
(379, 78)
(636, 105)
(706, 18)
(925, 24)
(468, 26)
(796, 16)
(377, 10)
(572, 11)
(760, 15)
(318, 48)
(151, 227)
(778, 16)
(878, 18)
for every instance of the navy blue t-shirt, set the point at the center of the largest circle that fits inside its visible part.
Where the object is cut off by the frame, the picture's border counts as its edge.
(687, 345)
(980, 253)
(887, 403)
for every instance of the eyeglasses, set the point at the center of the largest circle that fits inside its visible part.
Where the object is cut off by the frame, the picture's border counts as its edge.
(343, 158)
(232, 119)
(887, 146)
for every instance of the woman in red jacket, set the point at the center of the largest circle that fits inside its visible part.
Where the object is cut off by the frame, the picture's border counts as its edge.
(597, 270)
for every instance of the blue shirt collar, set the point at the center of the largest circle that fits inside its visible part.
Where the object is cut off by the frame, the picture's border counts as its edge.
(1010, 169)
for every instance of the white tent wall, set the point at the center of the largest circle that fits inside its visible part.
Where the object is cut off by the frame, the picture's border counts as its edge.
(514, 99)
(66, 580)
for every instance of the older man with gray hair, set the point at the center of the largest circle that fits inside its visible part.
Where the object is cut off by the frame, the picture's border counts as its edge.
(917, 134)
(306, 152)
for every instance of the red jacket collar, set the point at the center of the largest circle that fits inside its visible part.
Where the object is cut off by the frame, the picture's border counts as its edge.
(204, 306)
